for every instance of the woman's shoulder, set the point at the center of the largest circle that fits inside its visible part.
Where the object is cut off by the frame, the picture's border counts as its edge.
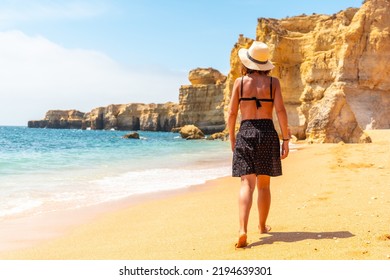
(241, 79)
(275, 80)
(237, 81)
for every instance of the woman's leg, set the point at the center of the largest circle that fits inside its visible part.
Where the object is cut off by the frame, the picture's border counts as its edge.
(263, 201)
(248, 183)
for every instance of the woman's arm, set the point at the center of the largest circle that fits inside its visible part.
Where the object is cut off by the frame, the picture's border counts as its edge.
(232, 114)
(282, 118)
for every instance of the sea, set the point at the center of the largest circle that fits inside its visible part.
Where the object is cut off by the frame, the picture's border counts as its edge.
(47, 170)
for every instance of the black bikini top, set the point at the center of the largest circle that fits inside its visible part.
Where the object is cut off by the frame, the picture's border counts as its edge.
(257, 100)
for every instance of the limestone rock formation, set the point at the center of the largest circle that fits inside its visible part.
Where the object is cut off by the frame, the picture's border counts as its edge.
(342, 54)
(332, 121)
(71, 119)
(199, 104)
(202, 102)
(133, 135)
(191, 132)
(206, 76)
(218, 135)
(133, 116)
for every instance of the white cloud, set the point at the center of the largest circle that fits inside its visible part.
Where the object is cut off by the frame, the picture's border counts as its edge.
(38, 75)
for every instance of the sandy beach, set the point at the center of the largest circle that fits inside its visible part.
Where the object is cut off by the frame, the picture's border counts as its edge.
(333, 202)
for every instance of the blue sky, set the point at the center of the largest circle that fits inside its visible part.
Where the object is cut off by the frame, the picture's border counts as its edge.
(81, 54)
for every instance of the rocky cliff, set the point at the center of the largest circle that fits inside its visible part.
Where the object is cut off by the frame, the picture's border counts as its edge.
(71, 119)
(133, 116)
(200, 104)
(333, 70)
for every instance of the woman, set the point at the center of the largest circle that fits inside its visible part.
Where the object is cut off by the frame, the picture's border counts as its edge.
(256, 149)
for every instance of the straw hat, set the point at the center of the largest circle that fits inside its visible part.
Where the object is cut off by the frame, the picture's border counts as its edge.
(256, 57)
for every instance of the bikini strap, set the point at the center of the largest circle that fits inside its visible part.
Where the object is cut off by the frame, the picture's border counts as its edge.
(242, 86)
(270, 89)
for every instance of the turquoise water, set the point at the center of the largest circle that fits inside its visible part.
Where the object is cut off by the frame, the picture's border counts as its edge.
(44, 170)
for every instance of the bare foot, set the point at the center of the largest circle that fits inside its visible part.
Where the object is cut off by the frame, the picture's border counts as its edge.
(241, 241)
(265, 230)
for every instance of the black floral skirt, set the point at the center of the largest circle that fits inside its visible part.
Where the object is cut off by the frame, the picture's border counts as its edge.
(257, 149)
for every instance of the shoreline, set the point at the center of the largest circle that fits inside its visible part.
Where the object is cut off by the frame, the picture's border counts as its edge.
(45, 227)
(331, 203)
(70, 169)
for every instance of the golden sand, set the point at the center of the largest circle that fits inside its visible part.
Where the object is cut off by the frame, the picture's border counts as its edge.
(333, 202)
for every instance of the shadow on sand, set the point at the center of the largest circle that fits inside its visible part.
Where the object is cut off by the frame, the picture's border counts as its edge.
(296, 236)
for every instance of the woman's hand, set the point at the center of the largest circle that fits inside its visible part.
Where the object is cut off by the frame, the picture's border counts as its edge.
(285, 149)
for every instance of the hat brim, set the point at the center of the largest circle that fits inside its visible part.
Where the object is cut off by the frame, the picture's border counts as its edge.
(243, 55)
